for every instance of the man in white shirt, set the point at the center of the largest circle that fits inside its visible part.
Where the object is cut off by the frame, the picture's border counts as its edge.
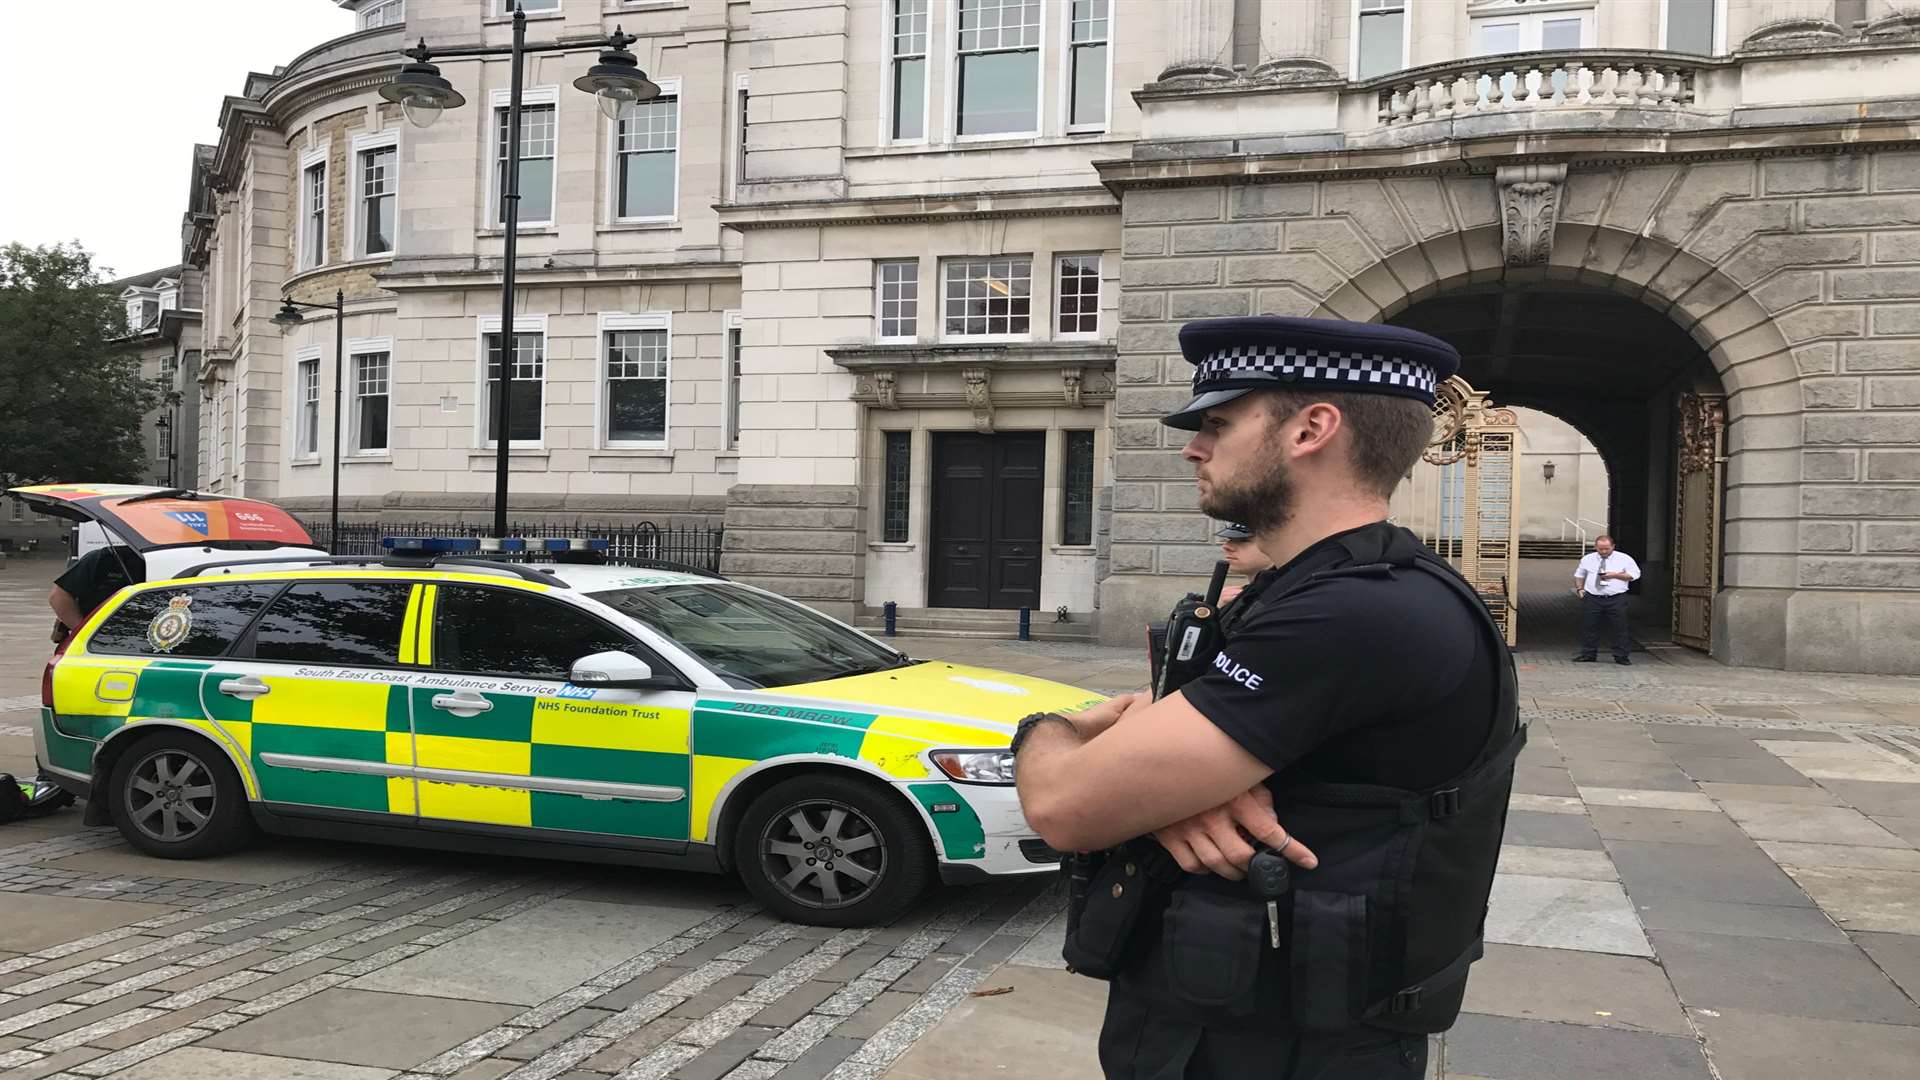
(1601, 584)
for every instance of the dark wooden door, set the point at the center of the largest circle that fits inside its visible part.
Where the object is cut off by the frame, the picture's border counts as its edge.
(987, 492)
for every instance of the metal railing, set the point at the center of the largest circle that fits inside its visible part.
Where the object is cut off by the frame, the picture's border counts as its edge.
(1580, 528)
(637, 544)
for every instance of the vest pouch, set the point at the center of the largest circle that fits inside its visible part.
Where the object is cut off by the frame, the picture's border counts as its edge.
(1328, 969)
(1102, 913)
(1213, 944)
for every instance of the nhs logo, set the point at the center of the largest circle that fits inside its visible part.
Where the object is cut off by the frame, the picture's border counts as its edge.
(571, 691)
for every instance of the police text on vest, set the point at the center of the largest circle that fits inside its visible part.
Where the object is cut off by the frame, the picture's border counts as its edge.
(1237, 672)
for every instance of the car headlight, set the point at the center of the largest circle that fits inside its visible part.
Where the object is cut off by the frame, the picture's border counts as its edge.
(976, 766)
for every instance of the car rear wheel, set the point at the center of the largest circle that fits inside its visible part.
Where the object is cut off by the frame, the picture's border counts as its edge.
(176, 796)
(833, 851)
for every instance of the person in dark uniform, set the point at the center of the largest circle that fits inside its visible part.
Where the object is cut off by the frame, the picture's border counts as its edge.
(1366, 701)
(1242, 556)
(91, 581)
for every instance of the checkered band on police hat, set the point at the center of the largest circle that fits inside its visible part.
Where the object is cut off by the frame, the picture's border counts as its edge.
(1292, 363)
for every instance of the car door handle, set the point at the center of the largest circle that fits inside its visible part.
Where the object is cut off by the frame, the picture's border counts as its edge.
(462, 702)
(246, 687)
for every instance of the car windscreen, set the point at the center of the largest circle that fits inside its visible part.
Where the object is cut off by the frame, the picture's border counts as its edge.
(749, 639)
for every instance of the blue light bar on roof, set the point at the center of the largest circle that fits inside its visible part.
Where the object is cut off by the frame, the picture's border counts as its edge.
(560, 543)
(502, 544)
(430, 545)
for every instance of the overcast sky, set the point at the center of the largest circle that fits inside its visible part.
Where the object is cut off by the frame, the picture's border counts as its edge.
(105, 99)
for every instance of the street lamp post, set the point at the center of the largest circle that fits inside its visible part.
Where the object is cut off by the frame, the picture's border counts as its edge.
(289, 315)
(423, 94)
(165, 426)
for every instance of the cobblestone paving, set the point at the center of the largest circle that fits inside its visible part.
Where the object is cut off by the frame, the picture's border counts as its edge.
(737, 994)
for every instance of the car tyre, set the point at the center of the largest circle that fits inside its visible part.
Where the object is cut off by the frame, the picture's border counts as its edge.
(832, 850)
(177, 797)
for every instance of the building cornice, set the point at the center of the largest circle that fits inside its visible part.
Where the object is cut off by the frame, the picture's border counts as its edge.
(905, 209)
(1580, 150)
(403, 278)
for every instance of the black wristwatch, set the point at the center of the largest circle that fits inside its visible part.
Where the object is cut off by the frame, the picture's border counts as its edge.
(1026, 726)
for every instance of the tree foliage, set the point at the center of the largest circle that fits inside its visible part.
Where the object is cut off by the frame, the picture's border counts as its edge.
(71, 400)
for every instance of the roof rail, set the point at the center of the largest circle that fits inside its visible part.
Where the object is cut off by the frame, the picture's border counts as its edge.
(522, 571)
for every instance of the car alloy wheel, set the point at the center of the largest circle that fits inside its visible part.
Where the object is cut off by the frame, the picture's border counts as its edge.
(170, 797)
(823, 854)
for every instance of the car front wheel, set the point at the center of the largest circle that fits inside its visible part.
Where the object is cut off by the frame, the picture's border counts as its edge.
(833, 851)
(177, 797)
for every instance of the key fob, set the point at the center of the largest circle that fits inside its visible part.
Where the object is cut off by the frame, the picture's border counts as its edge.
(1269, 874)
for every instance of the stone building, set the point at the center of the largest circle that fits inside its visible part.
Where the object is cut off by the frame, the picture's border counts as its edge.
(892, 286)
(163, 328)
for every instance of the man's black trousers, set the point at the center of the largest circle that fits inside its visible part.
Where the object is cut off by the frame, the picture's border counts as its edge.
(1610, 610)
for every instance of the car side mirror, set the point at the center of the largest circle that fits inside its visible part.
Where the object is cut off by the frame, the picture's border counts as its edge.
(619, 671)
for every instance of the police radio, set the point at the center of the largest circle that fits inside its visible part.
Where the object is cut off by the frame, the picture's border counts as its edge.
(1191, 639)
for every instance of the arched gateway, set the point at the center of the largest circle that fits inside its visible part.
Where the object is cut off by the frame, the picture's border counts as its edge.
(1718, 324)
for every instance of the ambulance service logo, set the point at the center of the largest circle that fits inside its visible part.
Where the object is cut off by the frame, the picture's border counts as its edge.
(171, 627)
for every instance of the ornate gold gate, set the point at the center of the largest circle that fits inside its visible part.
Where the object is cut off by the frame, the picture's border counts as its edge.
(1699, 459)
(1463, 505)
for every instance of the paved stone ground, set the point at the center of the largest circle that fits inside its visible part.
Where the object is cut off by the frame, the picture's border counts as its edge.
(1709, 872)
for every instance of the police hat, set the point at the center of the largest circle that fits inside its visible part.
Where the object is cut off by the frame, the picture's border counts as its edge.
(1234, 531)
(1233, 356)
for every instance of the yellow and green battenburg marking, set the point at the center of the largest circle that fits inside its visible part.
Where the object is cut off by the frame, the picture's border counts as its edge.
(545, 737)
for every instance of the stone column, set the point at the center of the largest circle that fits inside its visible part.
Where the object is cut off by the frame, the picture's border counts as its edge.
(1791, 24)
(1293, 41)
(1199, 39)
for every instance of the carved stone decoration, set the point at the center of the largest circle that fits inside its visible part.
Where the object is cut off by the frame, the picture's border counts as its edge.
(1071, 377)
(1701, 421)
(1529, 210)
(980, 398)
(883, 390)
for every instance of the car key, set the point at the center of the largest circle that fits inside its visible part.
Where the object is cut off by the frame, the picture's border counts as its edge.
(1269, 876)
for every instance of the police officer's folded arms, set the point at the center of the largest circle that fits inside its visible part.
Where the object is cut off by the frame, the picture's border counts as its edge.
(1357, 728)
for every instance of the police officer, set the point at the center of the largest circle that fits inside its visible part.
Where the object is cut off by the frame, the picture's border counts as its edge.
(1244, 557)
(1366, 701)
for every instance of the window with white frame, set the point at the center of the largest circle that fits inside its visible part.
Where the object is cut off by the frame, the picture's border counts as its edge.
(1689, 26)
(1379, 35)
(998, 44)
(385, 13)
(169, 296)
(531, 7)
(733, 380)
(379, 193)
(1510, 29)
(527, 377)
(539, 131)
(647, 160)
(159, 443)
(306, 420)
(739, 170)
(988, 297)
(1089, 32)
(897, 284)
(372, 396)
(634, 353)
(907, 93)
(1078, 296)
(313, 214)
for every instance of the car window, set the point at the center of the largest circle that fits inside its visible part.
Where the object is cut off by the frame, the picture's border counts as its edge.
(204, 620)
(503, 632)
(334, 622)
(751, 639)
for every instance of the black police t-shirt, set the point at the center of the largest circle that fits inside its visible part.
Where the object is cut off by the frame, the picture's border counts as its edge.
(1354, 678)
(100, 573)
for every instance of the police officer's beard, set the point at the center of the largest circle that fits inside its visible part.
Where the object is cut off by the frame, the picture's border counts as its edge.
(1262, 501)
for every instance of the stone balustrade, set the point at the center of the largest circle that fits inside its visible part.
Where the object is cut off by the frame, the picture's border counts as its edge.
(1542, 80)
